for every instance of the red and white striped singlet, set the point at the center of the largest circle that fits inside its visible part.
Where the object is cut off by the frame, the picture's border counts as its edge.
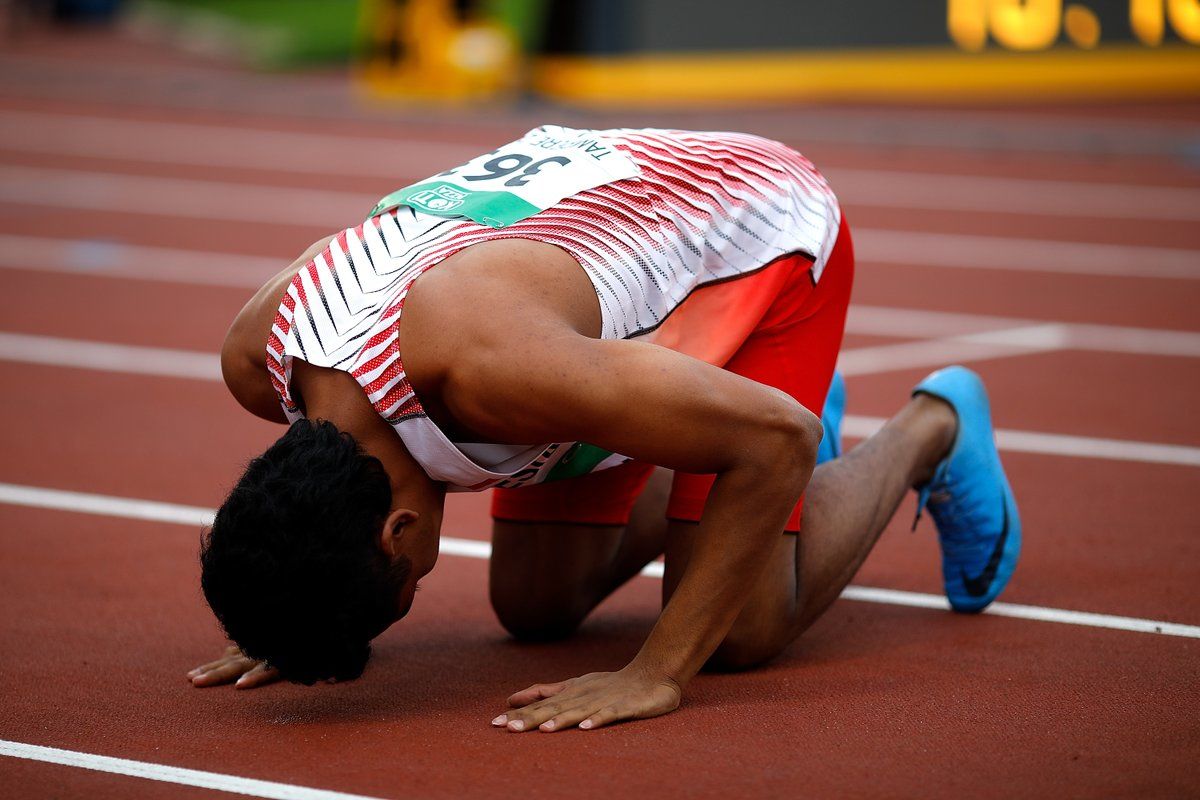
(705, 208)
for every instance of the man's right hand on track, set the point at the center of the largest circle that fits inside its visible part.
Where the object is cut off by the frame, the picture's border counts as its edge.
(234, 665)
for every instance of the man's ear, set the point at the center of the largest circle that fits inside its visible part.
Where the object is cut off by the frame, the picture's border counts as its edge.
(393, 530)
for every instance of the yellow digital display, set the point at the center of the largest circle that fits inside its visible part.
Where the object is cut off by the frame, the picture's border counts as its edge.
(1039, 24)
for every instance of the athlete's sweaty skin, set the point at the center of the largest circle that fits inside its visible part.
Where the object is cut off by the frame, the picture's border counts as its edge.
(533, 370)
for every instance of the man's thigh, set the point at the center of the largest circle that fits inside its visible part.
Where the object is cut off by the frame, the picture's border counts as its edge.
(794, 348)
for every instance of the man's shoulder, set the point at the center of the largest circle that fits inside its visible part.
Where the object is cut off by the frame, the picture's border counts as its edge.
(499, 288)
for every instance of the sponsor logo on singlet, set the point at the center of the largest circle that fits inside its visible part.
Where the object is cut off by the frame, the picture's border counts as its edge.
(438, 199)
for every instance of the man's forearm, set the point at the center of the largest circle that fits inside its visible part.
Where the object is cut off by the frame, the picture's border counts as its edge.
(746, 512)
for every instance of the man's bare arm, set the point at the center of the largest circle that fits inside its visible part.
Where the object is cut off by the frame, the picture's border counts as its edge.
(658, 406)
(243, 353)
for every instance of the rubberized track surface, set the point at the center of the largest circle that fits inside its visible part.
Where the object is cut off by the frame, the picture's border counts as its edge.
(100, 615)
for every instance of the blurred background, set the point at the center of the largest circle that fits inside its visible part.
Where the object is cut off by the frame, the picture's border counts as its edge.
(673, 53)
(1091, 79)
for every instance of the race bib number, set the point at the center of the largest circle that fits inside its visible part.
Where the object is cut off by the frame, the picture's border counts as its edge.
(519, 179)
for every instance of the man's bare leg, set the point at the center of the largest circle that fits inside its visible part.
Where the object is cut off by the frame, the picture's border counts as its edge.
(849, 502)
(545, 578)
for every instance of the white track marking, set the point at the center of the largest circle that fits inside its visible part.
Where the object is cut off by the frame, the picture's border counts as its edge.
(961, 251)
(1016, 341)
(107, 357)
(409, 158)
(914, 323)
(291, 151)
(330, 210)
(168, 774)
(1031, 334)
(895, 597)
(245, 271)
(124, 260)
(180, 197)
(140, 262)
(922, 190)
(927, 353)
(133, 359)
(1087, 447)
(1142, 341)
(105, 505)
(1038, 338)
(858, 427)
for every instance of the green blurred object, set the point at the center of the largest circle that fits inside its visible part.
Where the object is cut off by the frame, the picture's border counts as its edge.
(525, 18)
(265, 34)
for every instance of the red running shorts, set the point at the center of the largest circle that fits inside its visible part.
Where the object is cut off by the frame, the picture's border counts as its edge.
(775, 326)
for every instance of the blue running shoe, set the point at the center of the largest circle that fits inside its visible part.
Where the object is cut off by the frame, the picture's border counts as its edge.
(969, 497)
(831, 419)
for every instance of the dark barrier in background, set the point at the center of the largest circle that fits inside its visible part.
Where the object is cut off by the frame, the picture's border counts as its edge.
(689, 52)
(622, 27)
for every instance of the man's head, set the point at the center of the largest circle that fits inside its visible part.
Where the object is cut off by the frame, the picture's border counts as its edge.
(302, 565)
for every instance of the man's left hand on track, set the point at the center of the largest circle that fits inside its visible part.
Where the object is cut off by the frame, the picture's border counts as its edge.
(233, 666)
(590, 701)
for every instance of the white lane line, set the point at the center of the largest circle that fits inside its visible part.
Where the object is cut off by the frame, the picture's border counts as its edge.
(179, 197)
(1112, 339)
(1087, 447)
(1017, 332)
(872, 245)
(105, 357)
(914, 323)
(963, 251)
(141, 262)
(330, 210)
(56, 499)
(1017, 341)
(105, 505)
(136, 360)
(990, 343)
(922, 190)
(298, 152)
(167, 774)
(113, 259)
(930, 353)
(1087, 619)
(408, 158)
(860, 427)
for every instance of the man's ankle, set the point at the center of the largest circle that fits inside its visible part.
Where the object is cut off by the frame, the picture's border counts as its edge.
(939, 428)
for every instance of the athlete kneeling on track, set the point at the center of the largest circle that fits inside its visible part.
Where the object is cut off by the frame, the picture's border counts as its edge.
(625, 334)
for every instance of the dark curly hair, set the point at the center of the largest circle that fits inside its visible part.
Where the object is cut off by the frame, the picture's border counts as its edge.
(292, 565)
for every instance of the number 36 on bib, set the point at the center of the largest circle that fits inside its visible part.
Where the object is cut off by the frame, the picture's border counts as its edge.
(519, 179)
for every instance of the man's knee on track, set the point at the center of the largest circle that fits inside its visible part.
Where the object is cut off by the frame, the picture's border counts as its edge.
(747, 648)
(539, 616)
